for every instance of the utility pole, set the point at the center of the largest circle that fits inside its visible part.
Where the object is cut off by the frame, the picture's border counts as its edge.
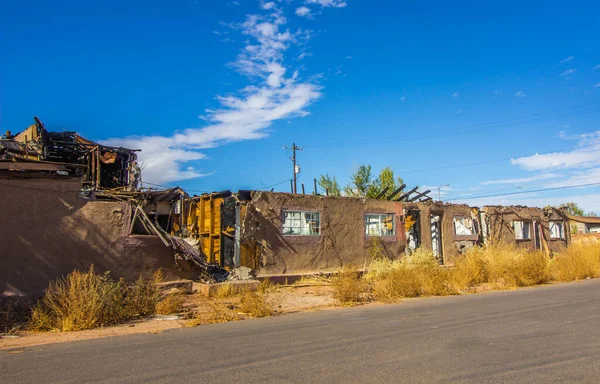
(296, 169)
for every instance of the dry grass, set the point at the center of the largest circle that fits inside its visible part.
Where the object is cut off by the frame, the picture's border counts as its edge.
(219, 313)
(579, 261)
(226, 290)
(255, 304)
(85, 300)
(348, 286)
(170, 304)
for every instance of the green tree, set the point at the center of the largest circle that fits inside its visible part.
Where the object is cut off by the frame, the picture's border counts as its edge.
(330, 184)
(359, 182)
(573, 208)
(385, 180)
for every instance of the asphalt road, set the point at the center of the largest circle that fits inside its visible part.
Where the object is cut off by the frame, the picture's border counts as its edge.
(538, 335)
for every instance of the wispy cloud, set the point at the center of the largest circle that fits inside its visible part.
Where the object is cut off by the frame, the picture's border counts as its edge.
(403, 98)
(303, 11)
(596, 67)
(586, 155)
(273, 94)
(521, 180)
(596, 85)
(566, 60)
(328, 3)
(568, 72)
(455, 95)
(520, 94)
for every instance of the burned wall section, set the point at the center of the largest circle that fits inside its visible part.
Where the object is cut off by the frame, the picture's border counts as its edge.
(437, 228)
(530, 228)
(46, 231)
(341, 237)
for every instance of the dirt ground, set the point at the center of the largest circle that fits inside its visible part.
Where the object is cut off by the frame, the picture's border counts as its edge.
(284, 299)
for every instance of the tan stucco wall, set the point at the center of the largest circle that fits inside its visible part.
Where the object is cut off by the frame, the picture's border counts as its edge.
(46, 231)
(342, 240)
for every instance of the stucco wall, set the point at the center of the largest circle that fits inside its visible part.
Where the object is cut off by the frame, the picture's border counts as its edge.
(452, 245)
(46, 231)
(501, 229)
(342, 239)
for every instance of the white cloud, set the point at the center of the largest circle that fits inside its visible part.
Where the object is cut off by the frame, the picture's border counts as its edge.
(522, 180)
(520, 94)
(586, 155)
(268, 5)
(597, 85)
(567, 60)
(568, 72)
(303, 11)
(303, 55)
(349, 57)
(328, 3)
(273, 94)
(455, 94)
(596, 67)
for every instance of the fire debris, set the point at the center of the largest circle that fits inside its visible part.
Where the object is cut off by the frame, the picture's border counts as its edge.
(68, 154)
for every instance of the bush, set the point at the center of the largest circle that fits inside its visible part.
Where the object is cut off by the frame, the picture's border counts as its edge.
(348, 287)
(226, 290)
(85, 300)
(579, 261)
(255, 304)
(170, 304)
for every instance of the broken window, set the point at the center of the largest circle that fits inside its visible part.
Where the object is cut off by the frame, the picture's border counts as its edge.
(379, 225)
(522, 230)
(465, 226)
(557, 230)
(301, 223)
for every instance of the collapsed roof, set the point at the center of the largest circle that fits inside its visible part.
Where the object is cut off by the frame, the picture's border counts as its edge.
(66, 153)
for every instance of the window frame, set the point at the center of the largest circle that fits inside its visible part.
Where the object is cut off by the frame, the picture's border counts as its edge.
(302, 213)
(529, 224)
(562, 229)
(473, 221)
(378, 214)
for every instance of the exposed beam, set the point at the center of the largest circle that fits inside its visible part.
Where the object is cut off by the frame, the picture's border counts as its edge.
(397, 191)
(382, 193)
(419, 195)
(407, 194)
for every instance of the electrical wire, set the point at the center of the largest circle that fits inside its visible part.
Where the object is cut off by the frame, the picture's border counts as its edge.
(524, 192)
(476, 127)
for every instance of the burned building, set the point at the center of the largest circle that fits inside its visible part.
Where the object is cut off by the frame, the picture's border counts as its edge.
(36, 150)
(284, 234)
(545, 229)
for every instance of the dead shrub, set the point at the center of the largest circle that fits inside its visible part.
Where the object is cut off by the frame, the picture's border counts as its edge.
(417, 274)
(219, 313)
(255, 304)
(170, 304)
(400, 281)
(144, 294)
(226, 290)
(348, 286)
(266, 287)
(468, 270)
(85, 300)
(579, 261)
(533, 268)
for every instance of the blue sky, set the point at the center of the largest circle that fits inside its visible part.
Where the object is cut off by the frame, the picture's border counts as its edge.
(464, 93)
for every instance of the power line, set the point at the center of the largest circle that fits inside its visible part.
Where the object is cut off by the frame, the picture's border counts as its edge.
(483, 126)
(524, 192)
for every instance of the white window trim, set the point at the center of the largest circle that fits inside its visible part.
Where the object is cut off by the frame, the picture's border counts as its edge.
(380, 222)
(562, 229)
(522, 238)
(474, 223)
(301, 212)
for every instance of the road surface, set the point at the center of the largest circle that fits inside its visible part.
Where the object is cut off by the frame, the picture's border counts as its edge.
(545, 334)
